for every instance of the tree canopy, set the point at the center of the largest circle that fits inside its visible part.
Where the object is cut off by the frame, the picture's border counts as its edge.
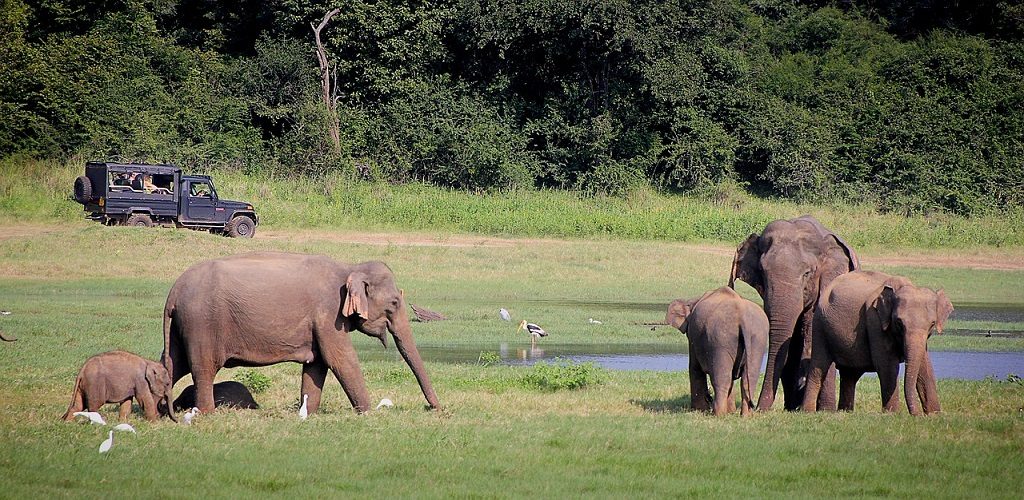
(914, 105)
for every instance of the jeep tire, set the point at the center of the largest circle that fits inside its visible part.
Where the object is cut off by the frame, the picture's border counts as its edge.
(240, 227)
(141, 220)
(83, 190)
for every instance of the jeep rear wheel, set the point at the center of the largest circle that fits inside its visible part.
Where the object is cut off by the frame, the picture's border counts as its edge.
(83, 190)
(141, 220)
(240, 227)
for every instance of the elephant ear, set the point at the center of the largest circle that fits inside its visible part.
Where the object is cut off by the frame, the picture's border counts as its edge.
(156, 382)
(853, 262)
(943, 308)
(883, 305)
(355, 296)
(678, 310)
(747, 265)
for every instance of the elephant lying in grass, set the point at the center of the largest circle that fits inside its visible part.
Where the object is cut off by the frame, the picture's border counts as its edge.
(868, 321)
(728, 336)
(117, 377)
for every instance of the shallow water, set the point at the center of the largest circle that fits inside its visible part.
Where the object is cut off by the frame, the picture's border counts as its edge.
(657, 357)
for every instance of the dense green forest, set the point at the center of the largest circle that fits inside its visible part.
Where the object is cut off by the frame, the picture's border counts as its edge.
(916, 106)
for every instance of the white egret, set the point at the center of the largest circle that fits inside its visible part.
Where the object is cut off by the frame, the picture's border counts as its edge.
(593, 321)
(125, 428)
(189, 415)
(385, 403)
(107, 443)
(535, 331)
(93, 417)
(504, 314)
(303, 412)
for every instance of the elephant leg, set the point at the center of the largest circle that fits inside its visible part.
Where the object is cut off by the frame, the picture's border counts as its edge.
(148, 404)
(827, 395)
(698, 386)
(888, 378)
(721, 381)
(926, 388)
(203, 379)
(124, 410)
(848, 388)
(344, 363)
(792, 394)
(313, 375)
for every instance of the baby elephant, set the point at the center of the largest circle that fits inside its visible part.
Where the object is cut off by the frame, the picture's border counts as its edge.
(868, 321)
(117, 377)
(229, 393)
(728, 337)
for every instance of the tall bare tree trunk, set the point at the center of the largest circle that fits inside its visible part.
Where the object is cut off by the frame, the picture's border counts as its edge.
(325, 81)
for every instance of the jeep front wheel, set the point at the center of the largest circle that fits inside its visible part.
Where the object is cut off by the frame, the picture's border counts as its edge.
(240, 227)
(141, 220)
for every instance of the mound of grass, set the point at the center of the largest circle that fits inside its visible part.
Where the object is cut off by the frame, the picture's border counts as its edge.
(564, 374)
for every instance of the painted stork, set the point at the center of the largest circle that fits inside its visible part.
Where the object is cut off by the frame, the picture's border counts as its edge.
(535, 331)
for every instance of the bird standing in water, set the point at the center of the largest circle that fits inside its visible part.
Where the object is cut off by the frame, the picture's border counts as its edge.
(535, 331)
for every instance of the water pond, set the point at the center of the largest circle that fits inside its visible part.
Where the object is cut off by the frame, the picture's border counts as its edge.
(660, 357)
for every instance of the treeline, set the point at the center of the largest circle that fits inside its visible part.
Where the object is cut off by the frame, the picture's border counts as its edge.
(913, 106)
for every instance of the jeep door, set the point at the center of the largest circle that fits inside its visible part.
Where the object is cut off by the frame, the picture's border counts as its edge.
(200, 203)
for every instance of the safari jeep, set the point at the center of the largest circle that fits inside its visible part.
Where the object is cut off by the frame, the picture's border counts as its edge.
(144, 195)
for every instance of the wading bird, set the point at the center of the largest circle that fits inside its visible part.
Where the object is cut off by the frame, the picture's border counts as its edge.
(189, 415)
(535, 331)
(593, 321)
(125, 427)
(93, 417)
(107, 443)
(303, 412)
(385, 403)
(504, 314)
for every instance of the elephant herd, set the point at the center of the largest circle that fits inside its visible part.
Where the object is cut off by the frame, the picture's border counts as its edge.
(820, 312)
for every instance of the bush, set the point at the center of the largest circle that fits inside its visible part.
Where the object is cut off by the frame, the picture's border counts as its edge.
(254, 380)
(564, 374)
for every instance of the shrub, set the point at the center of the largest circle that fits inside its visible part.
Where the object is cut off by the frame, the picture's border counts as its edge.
(254, 380)
(564, 374)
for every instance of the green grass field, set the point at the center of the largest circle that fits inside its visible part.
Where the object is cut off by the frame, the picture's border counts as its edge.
(76, 289)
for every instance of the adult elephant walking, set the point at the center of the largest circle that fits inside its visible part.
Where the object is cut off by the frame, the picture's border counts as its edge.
(788, 263)
(264, 308)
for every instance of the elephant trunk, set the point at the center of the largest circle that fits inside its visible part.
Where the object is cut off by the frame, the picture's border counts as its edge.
(783, 307)
(402, 333)
(915, 350)
(169, 405)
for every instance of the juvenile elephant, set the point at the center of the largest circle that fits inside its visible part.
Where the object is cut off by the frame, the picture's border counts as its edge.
(728, 336)
(117, 377)
(228, 393)
(869, 322)
(788, 263)
(264, 308)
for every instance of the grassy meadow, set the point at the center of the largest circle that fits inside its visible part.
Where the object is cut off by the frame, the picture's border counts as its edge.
(77, 288)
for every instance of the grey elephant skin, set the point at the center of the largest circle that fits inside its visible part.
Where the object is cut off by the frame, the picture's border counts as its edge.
(118, 377)
(728, 336)
(869, 321)
(265, 308)
(228, 393)
(788, 264)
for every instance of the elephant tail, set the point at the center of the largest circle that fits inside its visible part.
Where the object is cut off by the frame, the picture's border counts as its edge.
(753, 352)
(77, 404)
